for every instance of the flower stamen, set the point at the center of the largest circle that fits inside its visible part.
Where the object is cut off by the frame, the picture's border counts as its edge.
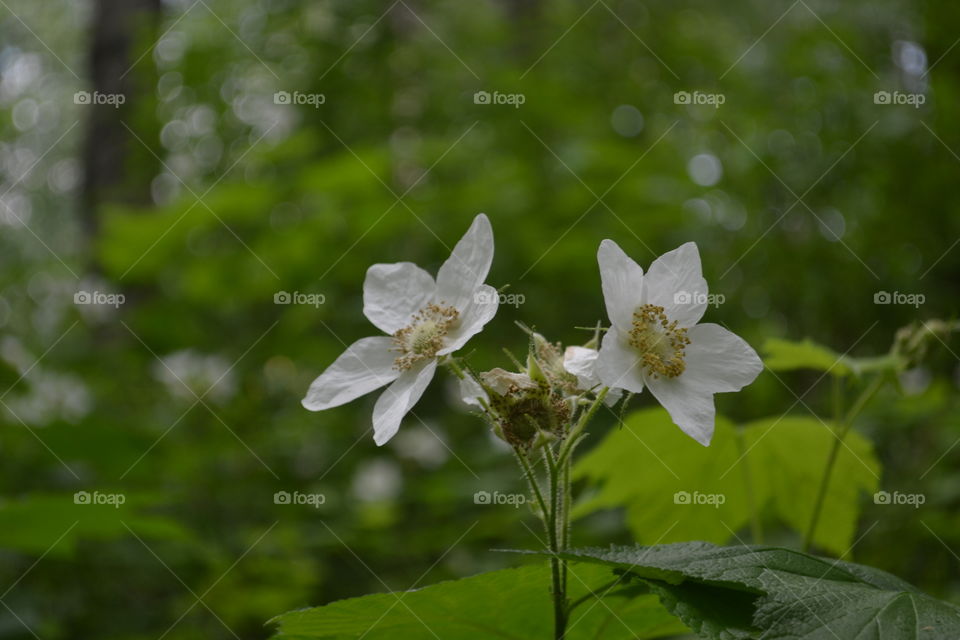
(423, 337)
(661, 343)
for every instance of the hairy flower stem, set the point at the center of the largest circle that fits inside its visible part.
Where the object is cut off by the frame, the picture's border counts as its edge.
(532, 481)
(549, 516)
(558, 567)
(554, 506)
(556, 515)
(842, 430)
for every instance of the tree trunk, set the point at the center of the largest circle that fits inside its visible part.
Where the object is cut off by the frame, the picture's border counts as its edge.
(117, 168)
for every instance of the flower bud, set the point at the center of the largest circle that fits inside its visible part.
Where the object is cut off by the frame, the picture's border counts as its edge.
(527, 413)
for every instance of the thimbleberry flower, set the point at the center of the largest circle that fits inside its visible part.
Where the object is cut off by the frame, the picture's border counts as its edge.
(424, 319)
(654, 340)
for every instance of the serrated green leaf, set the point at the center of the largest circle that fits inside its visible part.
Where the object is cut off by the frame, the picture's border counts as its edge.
(795, 596)
(649, 463)
(511, 603)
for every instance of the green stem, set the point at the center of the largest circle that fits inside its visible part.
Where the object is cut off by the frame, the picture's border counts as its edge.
(573, 436)
(458, 371)
(555, 508)
(532, 482)
(558, 567)
(841, 432)
(565, 514)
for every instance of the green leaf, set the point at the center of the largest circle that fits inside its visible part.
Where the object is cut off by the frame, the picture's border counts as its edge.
(787, 457)
(786, 355)
(511, 603)
(790, 595)
(650, 467)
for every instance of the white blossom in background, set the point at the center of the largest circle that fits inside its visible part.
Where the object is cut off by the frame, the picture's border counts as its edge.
(41, 396)
(424, 319)
(422, 444)
(654, 340)
(377, 480)
(188, 374)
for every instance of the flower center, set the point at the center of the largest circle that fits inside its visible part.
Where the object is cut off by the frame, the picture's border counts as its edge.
(661, 343)
(423, 337)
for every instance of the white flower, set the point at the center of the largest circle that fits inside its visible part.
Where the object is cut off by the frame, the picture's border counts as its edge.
(581, 362)
(654, 339)
(424, 320)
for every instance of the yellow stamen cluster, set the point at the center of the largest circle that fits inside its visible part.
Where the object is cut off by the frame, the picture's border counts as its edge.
(423, 337)
(661, 343)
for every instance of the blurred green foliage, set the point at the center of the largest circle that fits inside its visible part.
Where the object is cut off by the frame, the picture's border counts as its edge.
(766, 471)
(392, 167)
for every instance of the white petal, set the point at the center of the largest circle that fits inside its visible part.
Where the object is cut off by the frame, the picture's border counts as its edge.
(502, 381)
(690, 406)
(718, 360)
(675, 282)
(618, 364)
(622, 281)
(397, 399)
(613, 396)
(366, 365)
(471, 392)
(394, 292)
(467, 266)
(582, 363)
(480, 309)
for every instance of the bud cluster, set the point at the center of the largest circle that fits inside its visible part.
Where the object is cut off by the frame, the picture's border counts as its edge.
(533, 406)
